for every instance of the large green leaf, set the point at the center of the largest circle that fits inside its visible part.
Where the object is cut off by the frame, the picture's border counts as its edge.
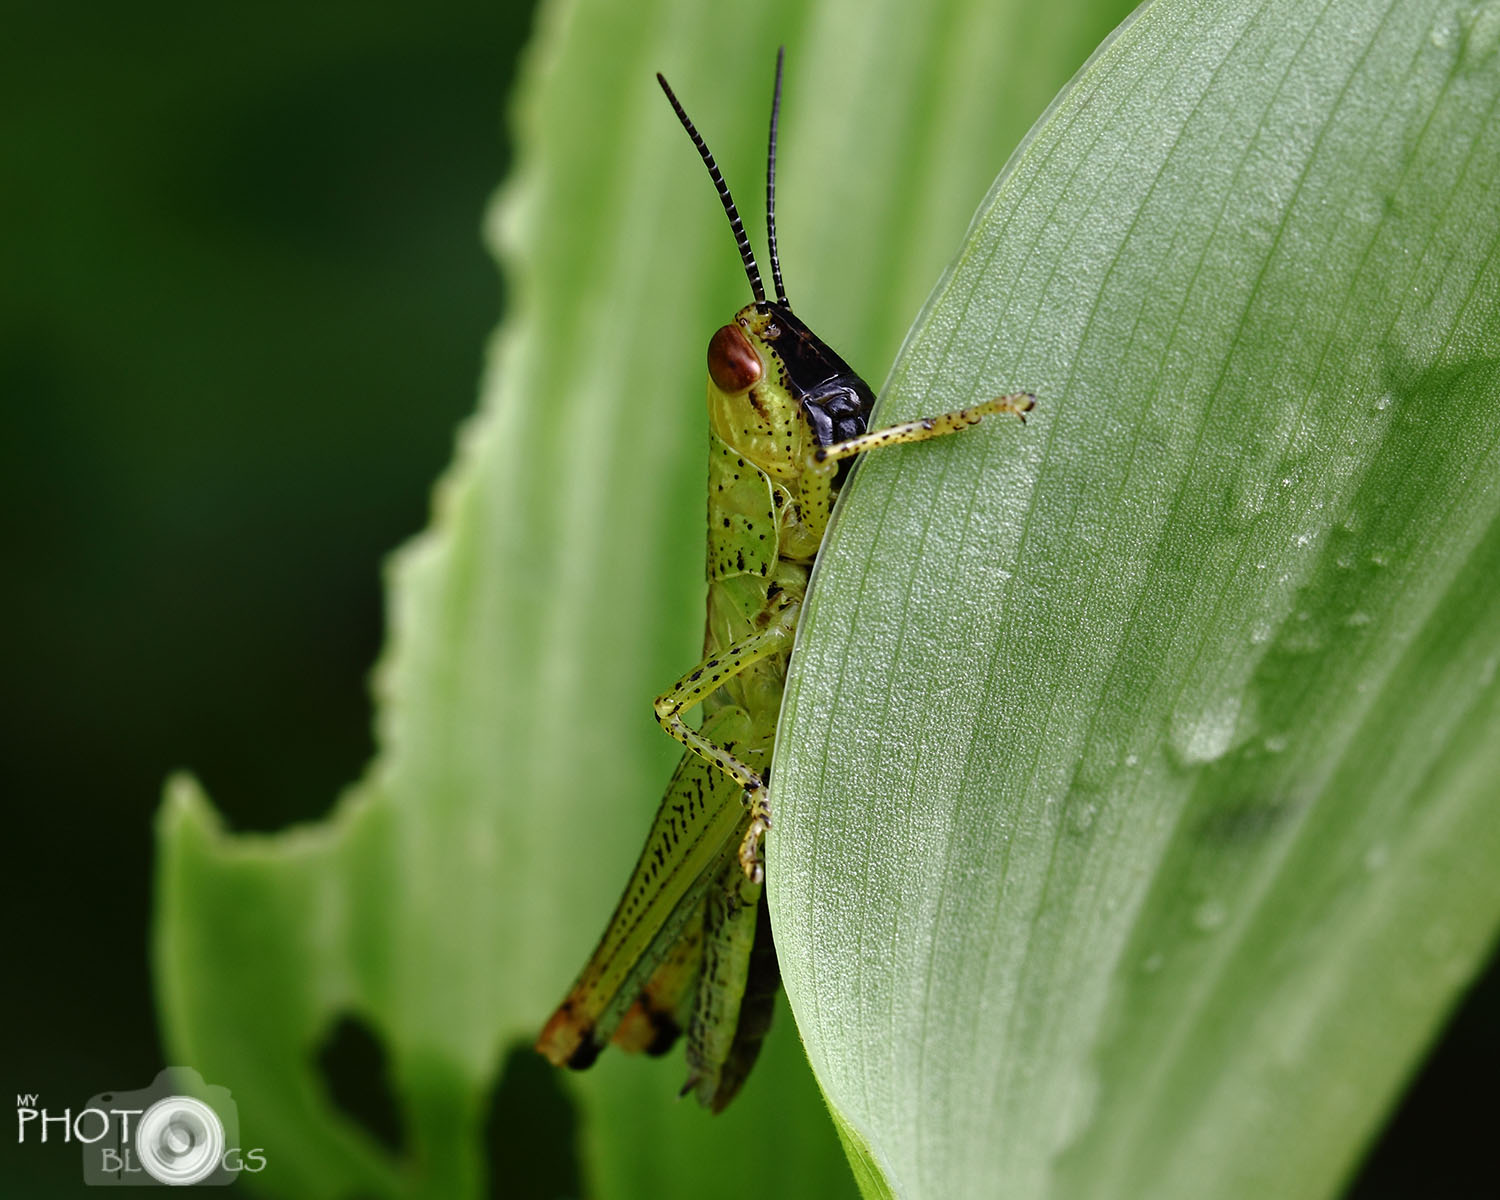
(450, 897)
(1137, 786)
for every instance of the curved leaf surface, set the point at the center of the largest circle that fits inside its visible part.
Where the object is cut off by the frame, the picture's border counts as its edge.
(1136, 790)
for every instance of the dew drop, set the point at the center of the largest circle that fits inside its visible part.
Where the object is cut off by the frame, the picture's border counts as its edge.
(1203, 736)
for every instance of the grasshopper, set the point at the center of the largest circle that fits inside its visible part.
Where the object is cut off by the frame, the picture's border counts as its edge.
(689, 945)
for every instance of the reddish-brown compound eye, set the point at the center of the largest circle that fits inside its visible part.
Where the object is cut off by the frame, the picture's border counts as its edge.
(733, 364)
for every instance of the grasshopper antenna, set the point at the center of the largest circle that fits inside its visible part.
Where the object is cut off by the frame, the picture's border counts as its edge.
(752, 272)
(771, 183)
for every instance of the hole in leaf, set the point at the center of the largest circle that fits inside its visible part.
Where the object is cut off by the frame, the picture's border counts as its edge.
(352, 1061)
(530, 1135)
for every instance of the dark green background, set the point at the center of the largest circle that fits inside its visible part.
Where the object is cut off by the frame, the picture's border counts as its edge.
(244, 306)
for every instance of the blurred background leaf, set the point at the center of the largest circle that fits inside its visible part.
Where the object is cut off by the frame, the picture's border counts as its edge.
(1136, 787)
(243, 298)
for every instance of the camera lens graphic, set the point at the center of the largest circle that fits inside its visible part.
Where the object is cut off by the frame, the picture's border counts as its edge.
(179, 1140)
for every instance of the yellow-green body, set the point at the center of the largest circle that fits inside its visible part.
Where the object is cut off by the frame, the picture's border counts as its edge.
(689, 946)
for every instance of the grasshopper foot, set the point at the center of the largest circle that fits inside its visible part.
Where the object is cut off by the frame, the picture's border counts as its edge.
(751, 861)
(1018, 404)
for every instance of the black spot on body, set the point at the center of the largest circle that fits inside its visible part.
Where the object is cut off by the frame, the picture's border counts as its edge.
(583, 1058)
(665, 1031)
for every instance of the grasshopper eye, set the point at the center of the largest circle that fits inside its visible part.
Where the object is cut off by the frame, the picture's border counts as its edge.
(733, 364)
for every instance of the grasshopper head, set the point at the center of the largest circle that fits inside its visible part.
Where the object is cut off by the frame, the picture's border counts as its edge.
(776, 390)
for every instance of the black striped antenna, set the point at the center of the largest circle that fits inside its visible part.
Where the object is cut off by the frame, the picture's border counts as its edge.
(752, 272)
(771, 183)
